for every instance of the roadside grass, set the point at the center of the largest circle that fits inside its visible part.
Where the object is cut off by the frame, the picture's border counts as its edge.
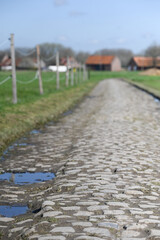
(34, 110)
(149, 83)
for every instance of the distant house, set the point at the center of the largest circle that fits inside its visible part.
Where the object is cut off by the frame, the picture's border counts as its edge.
(29, 63)
(5, 63)
(71, 62)
(143, 63)
(104, 63)
(21, 63)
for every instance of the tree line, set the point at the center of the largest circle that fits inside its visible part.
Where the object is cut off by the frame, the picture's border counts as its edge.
(48, 50)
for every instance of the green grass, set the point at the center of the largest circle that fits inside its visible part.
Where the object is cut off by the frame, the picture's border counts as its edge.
(150, 83)
(27, 92)
(33, 109)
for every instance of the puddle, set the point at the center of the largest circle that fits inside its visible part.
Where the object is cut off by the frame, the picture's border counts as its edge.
(11, 148)
(51, 123)
(156, 100)
(67, 113)
(34, 131)
(11, 211)
(91, 96)
(27, 177)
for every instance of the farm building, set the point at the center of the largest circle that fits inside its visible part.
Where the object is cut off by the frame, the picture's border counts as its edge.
(28, 63)
(5, 63)
(143, 63)
(71, 62)
(104, 63)
(21, 64)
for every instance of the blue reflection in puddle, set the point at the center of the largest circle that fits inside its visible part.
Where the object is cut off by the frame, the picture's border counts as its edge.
(34, 131)
(12, 148)
(67, 113)
(27, 177)
(11, 211)
(156, 100)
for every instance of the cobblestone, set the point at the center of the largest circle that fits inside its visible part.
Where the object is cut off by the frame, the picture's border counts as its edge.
(106, 156)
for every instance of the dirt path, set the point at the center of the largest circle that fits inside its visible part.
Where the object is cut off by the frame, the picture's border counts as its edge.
(105, 156)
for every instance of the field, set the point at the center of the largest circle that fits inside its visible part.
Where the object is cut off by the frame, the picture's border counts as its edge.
(33, 109)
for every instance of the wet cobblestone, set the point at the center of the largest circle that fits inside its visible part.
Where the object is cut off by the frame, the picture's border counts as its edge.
(106, 157)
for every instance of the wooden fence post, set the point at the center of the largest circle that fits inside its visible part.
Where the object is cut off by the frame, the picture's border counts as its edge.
(14, 85)
(39, 70)
(67, 72)
(84, 73)
(72, 77)
(80, 72)
(76, 73)
(57, 64)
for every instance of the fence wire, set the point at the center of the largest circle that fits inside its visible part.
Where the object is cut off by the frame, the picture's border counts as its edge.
(25, 53)
(5, 80)
(48, 59)
(29, 81)
(3, 43)
(50, 79)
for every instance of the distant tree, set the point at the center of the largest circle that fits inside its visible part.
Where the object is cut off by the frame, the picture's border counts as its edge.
(154, 52)
(82, 56)
(123, 54)
(24, 52)
(48, 52)
(2, 53)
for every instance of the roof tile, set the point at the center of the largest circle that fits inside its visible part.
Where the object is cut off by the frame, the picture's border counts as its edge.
(97, 59)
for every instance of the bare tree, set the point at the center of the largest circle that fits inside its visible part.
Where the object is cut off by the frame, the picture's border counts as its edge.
(123, 54)
(48, 52)
(153, 51)
(82, 56)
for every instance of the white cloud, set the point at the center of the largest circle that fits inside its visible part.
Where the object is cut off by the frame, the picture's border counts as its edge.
(59, 3)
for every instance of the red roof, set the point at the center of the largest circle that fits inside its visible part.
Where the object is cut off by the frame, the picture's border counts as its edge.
(97, 59)
(6, 61)
(143, 61)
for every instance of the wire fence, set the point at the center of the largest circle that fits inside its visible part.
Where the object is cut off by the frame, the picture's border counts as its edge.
(64, 78)
(49, 59)
(50, 79)
(29, 81)
(25, 53)
(3, 43)
(5, 80)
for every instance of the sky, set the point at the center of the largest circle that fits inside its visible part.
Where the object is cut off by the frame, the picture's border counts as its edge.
(84, 25)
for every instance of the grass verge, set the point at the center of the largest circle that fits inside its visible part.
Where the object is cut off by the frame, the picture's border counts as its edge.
(15, 120)
(33, 110)
(149, 83)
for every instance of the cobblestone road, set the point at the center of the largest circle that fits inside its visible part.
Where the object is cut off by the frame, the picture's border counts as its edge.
(108, 184)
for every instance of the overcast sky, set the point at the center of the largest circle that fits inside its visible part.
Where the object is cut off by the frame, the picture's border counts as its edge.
(86, 25)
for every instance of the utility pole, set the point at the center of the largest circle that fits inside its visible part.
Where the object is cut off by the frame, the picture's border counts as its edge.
(67, 72)
(14, 85)
(39, 70)
(57, 64)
